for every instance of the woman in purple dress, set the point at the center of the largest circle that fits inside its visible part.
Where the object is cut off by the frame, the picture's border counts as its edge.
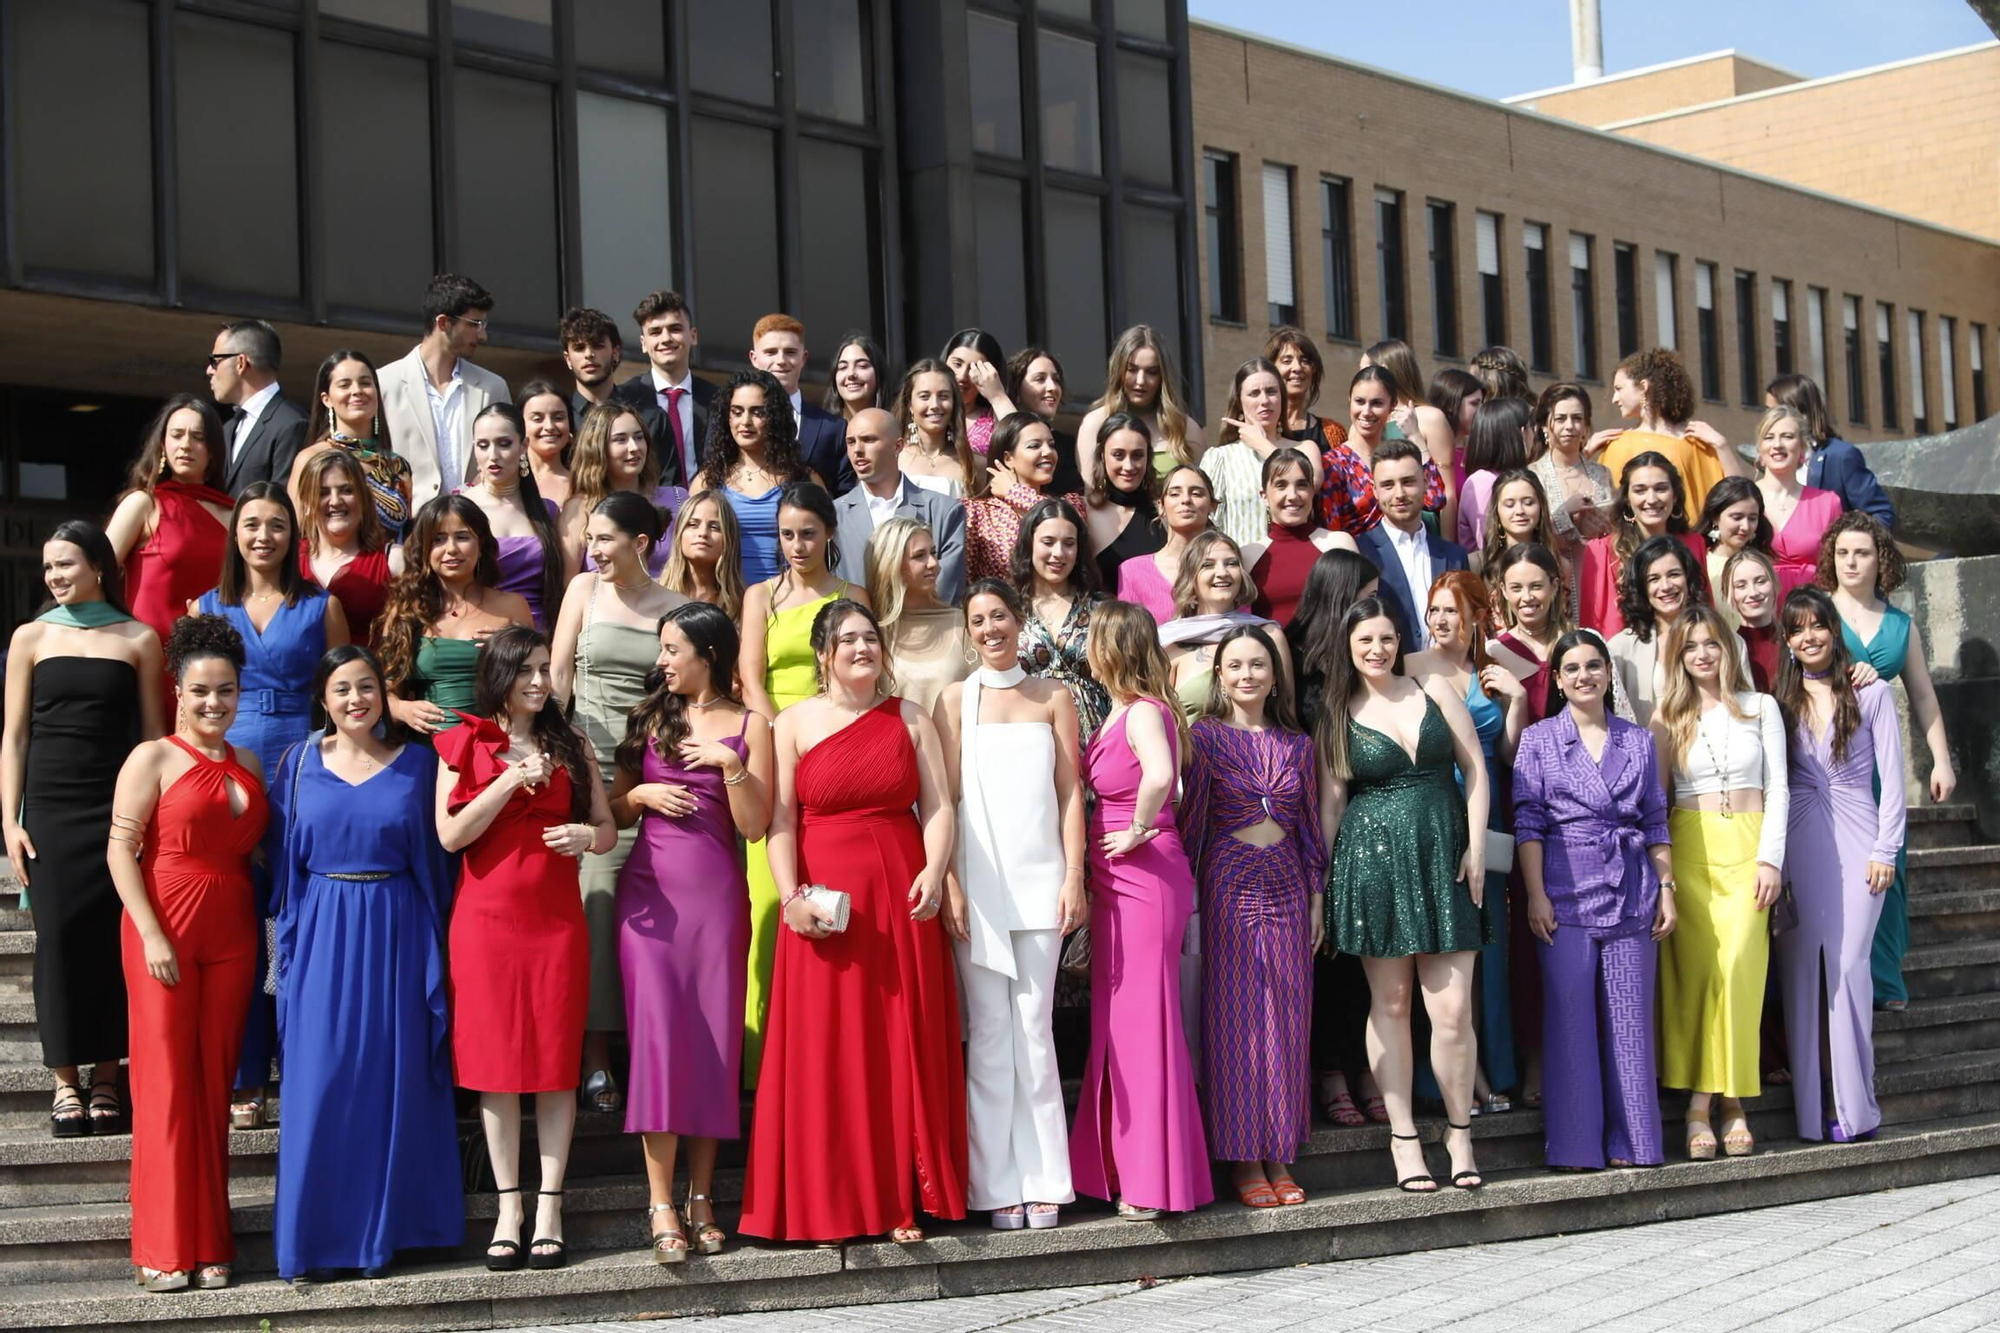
(499, 480)
(1137, 1135)
(695, 771)
(1254, 837)
(1590, 837)
(1840, 858)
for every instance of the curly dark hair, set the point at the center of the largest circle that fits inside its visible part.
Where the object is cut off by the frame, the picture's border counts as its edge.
(1728, 492)
(1021, 568)
(416, 596)
(1632, 601)
(1890, 568)
(501, 662)
(193, 638)
(661, 718)
(1625, 534)
(720, 452)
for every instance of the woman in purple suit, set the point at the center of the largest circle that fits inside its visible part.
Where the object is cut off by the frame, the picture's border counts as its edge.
(1590, 836)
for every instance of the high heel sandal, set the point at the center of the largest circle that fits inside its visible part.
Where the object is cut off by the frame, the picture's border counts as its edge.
(1469, 1179)
(152, 1279)
(1339, 1107)
(211, 1277)
(1700, 1137)
(1289, 1191)
(107, 1110)
(509, 1259)
(1736, 1138)
(669, 1246)
(67, 1119)
(557, 1257)
(708, 1237)
(1423, 1184)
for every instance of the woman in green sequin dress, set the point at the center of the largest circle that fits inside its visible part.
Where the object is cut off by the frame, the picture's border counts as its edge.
(1406, 881)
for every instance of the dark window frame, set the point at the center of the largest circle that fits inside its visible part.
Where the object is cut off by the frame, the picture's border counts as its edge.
(1708, 331)
(1222, 234)
(1975, 352)
(1535, 266)
(1392, 266)
(1492, 286)
(1783, 357)
(1279, 312)
(1336, 241)
(1854, 358)
(1583, 306)
(1441, 235)
(1750, 380)
(1625, 295)
(1885, 358)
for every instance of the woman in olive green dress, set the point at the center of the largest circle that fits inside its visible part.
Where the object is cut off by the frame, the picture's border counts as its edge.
(1406, 881)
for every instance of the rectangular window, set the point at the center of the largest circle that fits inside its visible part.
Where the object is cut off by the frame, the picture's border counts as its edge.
(1336, 244)
(993, 47)
(1224, 223)
(1885, 358)
(1278, 257)
(833, 80)
(1920, 414)
(1389, 274)
(1747, 380)
(837, 251)
(1492, 288)
(1151, 249)
(233, 84)
(1443, 220)
(1073, 285)
(524, 26)
(626, 185)
(506, 133)
(621, 37)
(377, 241)
(1583, 305)
(1781, 326)
(730, 53)
(736, 212)
(1816, 336)
(1976, 355)
(1001, 230)
(1708, 336)
(1541, 334)
(1666, 302)
(1068, 72)
(1625, 278)
(1145, 120)
(1948, 370)
(1856, 364)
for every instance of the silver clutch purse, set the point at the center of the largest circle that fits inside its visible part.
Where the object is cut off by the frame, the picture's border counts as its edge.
(830, 905)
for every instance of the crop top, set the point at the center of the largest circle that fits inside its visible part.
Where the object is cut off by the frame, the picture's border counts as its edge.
(1732, 753)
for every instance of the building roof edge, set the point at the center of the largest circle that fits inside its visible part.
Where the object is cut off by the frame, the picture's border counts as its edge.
(1823, 81)
(1643, 70)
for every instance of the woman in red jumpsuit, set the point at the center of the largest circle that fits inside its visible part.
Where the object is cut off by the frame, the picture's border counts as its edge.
(194, 805)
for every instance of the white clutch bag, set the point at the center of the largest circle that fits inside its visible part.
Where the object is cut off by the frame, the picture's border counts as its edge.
(1499, 852)
(830, 905)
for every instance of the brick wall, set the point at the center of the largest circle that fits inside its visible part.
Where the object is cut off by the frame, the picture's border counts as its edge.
(1685, 84)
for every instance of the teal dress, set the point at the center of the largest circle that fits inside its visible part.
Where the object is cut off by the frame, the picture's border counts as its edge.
(446, 673)
(1393, 891)
(1887, 652)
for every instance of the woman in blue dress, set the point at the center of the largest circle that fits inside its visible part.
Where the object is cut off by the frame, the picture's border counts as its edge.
(368, 1161)
(287, 623)
(1860, 565)
(751, 456)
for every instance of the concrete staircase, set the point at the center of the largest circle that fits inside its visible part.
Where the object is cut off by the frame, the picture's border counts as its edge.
(64, 1226)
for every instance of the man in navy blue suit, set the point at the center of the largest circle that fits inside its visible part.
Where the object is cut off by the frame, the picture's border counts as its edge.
(1834, 464)
(669, 397)
(778, 347)
(1408, 554)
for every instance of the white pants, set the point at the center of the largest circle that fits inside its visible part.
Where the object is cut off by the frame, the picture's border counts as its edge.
(1013, 1095)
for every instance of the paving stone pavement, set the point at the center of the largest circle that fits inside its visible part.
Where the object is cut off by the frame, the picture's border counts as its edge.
(1922, 1260)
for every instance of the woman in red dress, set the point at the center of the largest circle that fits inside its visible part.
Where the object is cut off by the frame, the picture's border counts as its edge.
(861, 1099)
(343, 546)
(518, 792)
(171, 526)
(194, 805)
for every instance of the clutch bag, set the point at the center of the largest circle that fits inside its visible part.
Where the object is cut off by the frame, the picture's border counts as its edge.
(830, 905)
(1499, 852)
(1785, 911)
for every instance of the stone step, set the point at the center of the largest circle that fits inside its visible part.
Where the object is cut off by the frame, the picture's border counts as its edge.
(1941, 918)
(1961, 967)
(1952, 825)
(1940, 1026)
(1954, 869)
(969, 1258)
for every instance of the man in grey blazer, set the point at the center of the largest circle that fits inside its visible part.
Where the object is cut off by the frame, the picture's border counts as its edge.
(882, 492)
(432, 396)
(262, 429)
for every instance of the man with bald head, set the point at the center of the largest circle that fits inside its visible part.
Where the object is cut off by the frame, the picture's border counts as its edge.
(882, 492)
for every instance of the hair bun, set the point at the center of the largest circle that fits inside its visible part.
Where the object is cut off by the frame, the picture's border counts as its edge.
(195, 637)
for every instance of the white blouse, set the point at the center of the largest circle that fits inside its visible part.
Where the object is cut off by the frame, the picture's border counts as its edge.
(1237, 476)
(1732, 753)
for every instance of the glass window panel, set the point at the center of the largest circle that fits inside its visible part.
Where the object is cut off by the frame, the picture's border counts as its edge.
(623, 37)
(831, 74)
(402, 15)
(1003, 265)
(83, 157)
(233, 86)
(729, 50)
(1145, 121)
(1079, 11)
(508, 25)
(1152, 275)
(1142, 18)
(378, 215)
(1073, 293)
(735, 228)
(836, 288)
(993, 52)
(505, 132)
(1068, 72)
(626, 188)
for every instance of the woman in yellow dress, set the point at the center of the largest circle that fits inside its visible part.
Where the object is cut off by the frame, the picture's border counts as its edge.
(1722, 758)
(778, 669)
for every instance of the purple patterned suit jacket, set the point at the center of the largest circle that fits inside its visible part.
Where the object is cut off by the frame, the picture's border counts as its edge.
(1594, 821)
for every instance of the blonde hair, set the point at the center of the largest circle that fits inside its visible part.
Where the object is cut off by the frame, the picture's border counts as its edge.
(1186, 600)
(882, 563)
(1772, 417)
(1173, 415)
(679, 574)
(1679, 711)
(1124, 656)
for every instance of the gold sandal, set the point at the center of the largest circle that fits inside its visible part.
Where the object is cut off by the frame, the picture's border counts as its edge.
(708, 1237)
(152, 1279)
(211, 1277)
(671, 1245)
(1736, 1138)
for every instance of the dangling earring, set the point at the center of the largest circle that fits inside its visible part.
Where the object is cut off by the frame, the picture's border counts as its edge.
(378, 426)
(524, 463)
(332, 426)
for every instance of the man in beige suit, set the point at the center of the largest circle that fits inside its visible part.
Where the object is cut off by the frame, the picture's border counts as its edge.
(431, 396)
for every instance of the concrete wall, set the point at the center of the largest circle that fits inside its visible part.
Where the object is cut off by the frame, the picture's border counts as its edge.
(1956, 604)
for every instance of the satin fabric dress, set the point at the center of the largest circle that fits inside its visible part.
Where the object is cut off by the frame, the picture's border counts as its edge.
(1888, 652)
(178, 563)
(860, 1118)
(1796, 544)
(1696, 462)
(361, 586)
(1137, 1136)
(196, 863)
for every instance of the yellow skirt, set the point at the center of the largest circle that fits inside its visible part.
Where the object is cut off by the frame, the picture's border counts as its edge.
(1712, 967)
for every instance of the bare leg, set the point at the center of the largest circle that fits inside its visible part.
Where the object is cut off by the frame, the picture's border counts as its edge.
(500, 1117)
(555, 1123)
(1447, 982)
(701, 1181)
(1390, 981)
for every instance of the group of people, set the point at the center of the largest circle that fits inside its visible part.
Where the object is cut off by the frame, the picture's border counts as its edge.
(426, 742)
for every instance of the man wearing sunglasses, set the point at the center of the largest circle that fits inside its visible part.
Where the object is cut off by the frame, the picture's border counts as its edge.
(432, 396)
(262, 430)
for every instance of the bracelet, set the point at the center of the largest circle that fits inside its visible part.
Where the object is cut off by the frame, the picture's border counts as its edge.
(742, 776)
(792, 897)
(1138, 826)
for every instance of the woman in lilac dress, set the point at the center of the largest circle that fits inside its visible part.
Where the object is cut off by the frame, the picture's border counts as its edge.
(1252, 813)
(695, 772)
(1137, 1137)
(1840, 858)
(1590, 837)
(499, 480)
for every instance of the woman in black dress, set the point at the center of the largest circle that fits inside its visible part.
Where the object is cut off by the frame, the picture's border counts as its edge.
(74, 711)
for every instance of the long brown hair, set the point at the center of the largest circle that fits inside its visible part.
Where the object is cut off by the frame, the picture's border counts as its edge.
(661, 718)
(150, 468)
(416, 596)
(1626, 533)
(500, 663)
(1497, 539)
(369, 531)
(1124, 656)
(1679, 710)
(234, 583)
(1343, 682)
(1804, 606)
(1278, 705)
(954, 434)
(678, 574)
(1173, 414)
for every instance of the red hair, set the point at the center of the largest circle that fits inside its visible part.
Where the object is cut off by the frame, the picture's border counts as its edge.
(1475, 609)
(776, 324)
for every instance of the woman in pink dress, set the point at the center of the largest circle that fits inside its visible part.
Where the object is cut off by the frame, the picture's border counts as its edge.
(1138, 1134)
(1799, 514)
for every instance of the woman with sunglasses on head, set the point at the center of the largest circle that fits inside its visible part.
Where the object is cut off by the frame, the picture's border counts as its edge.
(1187, 503)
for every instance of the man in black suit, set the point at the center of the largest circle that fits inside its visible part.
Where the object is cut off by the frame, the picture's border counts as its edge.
(1409, 555)
(677, 401)
(778, 347)
(262, 431)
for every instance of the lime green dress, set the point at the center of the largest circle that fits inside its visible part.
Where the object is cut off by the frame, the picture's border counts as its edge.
(788, 679)
(446, 673)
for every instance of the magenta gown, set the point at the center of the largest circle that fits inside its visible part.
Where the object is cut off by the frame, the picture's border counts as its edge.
(1797, 543)
(683, 948)
(1138, 1135)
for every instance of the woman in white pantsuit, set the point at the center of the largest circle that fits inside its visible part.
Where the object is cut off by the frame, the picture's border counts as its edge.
(1012, 752)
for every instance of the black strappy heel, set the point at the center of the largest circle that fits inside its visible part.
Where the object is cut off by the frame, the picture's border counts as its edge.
(1415, 1184)
(510, 1260)
(1459, 1178)
(556, 1259)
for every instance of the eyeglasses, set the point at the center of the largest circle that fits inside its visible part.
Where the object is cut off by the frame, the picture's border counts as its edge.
(217, 358)
(479, 324)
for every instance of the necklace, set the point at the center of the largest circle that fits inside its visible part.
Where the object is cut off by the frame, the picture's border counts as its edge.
(1815, 675)
(633, 586)
(465, 604)
(1718, 761)
(706, 703)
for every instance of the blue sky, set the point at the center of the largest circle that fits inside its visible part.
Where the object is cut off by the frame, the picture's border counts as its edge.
(1500, 47)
